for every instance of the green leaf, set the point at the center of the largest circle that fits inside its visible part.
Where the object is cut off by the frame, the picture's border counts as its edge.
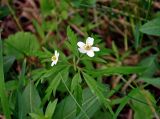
(151, 64)
(36, 116)
(95, 59)
(3, 96)
(50, 109)
(142, 110)
(115, 50)
(11, 85)
(65, 75)
(8, 61)
(75, 81)
(77, 90)
(136, 33)
(152, 27)
(55, 83)
(84, 3)
(96, 89)
(100, 114)
(46, 6)
(78, 96)
(153, 81)
(4, 11)
(124, 101)
(39, 29)
(43, 74)
(77, 19)
(53, 86)
(72, 39)
(20, 44)
(31, 99)
(117, 70)
(66, 109)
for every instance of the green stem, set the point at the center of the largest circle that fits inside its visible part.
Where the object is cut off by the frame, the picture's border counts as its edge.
(3, 96)
(14, 16)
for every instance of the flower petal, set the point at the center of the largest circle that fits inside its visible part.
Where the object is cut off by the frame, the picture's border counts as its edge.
(81, 50)
(52, 64)
(55, 62)
(90, 41)
(90, 53)
(56, 54)
(95, 49)
(80, 44)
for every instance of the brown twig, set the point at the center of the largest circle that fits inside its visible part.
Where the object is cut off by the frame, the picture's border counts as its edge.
(132, 78)
(77, 30)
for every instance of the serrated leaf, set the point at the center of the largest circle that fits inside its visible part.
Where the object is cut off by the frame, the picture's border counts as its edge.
(72, 39)
(55, 83)
(20, 44)
(53, 86)
(152, 27)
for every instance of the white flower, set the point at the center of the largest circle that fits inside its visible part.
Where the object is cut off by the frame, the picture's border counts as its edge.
(87, 48)
(55, 58)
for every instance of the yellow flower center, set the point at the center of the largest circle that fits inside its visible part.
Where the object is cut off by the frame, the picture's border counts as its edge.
(87, 47)
(53, 58)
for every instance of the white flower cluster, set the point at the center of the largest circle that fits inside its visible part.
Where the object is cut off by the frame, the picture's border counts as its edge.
(85, 48)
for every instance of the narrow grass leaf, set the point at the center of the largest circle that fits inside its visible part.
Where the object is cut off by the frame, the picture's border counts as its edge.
(3, 96)
(117, 70)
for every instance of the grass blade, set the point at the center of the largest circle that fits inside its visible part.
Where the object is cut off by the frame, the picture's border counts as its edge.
(3, 96)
